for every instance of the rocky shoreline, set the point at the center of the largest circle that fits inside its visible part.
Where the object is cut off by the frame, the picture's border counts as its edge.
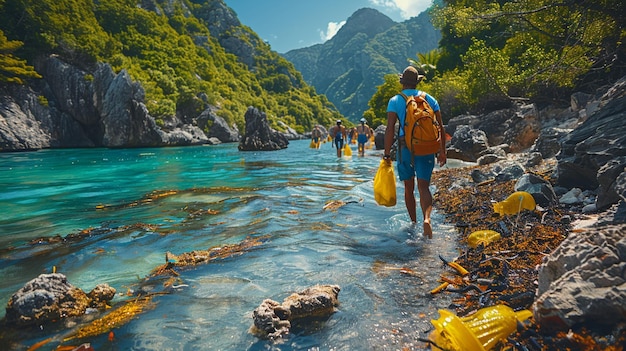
(537, 262)
(564, 259)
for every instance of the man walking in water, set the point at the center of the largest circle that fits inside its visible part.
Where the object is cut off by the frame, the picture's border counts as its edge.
(339, 135)
(316, 134)
(410, 166)
(363, 135)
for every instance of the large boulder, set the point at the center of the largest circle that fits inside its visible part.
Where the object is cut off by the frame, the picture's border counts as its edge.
(518, 126)
(259, 135)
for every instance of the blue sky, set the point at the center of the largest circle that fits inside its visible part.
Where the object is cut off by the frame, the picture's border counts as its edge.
(294, 24)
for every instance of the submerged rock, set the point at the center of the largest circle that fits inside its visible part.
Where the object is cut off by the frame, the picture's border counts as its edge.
(51, 297)
(272, 319)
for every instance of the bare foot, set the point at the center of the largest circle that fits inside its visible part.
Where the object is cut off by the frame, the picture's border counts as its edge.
(428, 230)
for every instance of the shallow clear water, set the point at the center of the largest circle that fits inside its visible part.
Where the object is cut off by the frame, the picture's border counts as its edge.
(222, 196)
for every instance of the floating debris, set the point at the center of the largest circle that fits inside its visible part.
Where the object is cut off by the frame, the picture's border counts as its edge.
(203, 256)
(117, 317)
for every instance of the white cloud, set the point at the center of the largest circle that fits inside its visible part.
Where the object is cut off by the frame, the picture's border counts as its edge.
(407, 8)
(333, 28)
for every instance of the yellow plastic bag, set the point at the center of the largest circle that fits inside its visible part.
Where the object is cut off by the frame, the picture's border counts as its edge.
(385, 185)
(347, 151)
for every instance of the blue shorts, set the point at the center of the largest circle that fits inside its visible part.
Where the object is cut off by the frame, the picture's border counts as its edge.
(362, 138)
(422, 166)
(339, 143)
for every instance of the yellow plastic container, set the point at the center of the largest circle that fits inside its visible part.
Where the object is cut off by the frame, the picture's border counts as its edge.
(480, 331)
(484, 237)
(516, 202)
(347, 151)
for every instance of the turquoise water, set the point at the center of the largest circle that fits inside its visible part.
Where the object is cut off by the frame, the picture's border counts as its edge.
(222, 196)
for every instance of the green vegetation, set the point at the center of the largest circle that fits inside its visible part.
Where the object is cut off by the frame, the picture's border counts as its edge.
(168, 48)
(490, 52)
(12, 68)
(493, 51)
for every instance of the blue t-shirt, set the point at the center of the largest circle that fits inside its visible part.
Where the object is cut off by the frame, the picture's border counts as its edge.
(397, 104)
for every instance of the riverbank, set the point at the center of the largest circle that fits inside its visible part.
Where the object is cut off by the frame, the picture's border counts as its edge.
(506, 271)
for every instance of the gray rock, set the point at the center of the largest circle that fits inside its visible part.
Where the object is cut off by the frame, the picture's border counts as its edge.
(273, 320)
(506, 171)
(489, 158)
(598, 140)
(539, 188)
(467, 144)
(478, 176)
(574, 196)
(216, 127)
(582, 281)
(259, 136)
(607, 176)
(548, 143)
(46, 298)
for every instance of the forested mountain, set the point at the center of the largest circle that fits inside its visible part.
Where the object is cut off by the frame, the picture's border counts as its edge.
(349, 67)
(185, 62)
(188, 55)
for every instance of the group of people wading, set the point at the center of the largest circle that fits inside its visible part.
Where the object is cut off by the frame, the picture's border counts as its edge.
(339, 136)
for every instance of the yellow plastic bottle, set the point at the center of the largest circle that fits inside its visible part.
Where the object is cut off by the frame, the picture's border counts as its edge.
(519, 200)
(480, 331)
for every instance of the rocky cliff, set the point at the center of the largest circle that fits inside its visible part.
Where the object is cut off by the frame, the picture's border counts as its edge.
(71, 107)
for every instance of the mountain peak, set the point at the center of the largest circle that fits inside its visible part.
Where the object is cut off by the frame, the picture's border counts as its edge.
(367, 21)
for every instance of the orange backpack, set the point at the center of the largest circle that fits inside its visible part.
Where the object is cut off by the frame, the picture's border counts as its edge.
(422, 132)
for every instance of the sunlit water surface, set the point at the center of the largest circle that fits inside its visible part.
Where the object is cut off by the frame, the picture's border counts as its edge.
(222, 196)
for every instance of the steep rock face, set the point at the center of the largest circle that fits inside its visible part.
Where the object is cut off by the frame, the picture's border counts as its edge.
(600, 139)
(217, 127)
(70, 107)
(124, 117)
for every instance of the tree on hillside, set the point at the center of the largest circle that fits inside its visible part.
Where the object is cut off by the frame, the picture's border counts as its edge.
(534, 48)
(12, 68)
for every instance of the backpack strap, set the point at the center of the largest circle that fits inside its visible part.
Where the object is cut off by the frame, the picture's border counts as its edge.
(401, 126)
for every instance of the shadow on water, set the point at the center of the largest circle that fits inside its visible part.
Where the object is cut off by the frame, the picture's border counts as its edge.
(219, 196)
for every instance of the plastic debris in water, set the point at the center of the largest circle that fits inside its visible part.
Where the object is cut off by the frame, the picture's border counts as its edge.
(515, 203)
(483, 237)
(480, 331)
